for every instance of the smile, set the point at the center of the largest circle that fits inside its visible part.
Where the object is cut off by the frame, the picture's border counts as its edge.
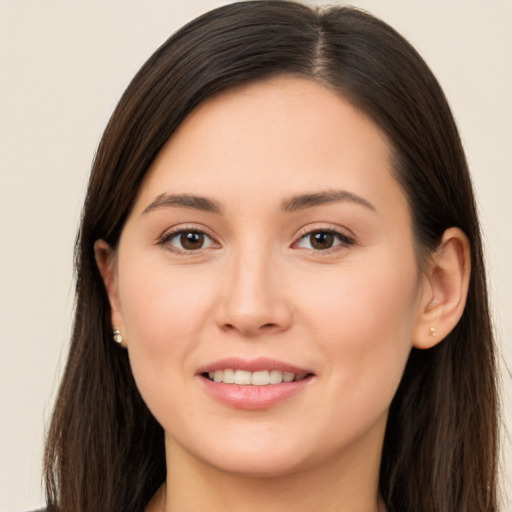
(258, 378)
(254, 383)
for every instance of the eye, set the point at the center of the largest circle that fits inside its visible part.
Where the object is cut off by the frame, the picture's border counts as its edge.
(188, 240)
(323, 239)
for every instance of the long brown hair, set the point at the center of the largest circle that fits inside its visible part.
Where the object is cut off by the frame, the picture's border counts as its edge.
(105, 451)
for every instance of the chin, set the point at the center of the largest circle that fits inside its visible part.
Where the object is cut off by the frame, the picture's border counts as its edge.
(259, 466)
(258, 458)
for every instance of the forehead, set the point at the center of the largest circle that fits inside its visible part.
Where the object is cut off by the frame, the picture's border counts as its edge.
(273, 138)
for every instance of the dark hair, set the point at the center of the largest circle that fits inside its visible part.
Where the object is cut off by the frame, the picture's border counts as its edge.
(105, 451)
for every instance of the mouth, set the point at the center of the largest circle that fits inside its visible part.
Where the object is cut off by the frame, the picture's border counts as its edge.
(258, 378)
(254, 384)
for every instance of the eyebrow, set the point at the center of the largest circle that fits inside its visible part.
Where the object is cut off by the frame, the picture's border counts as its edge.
(304, 201)
(292, 204)
(184, 201)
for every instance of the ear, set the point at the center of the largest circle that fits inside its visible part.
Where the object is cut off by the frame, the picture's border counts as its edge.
(107, 265)
(445, 289)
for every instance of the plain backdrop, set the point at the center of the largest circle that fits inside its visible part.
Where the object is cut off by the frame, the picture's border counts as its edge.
(64, 65)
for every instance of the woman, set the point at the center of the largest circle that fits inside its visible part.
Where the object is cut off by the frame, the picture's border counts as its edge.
(281, 298)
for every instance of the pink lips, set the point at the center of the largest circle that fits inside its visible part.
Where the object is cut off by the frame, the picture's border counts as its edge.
(250, 396)
(254, 365)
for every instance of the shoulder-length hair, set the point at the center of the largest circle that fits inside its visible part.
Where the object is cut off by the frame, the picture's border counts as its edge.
(105, 451)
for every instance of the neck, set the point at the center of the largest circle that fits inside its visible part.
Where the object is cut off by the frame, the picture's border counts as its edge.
(342, 484)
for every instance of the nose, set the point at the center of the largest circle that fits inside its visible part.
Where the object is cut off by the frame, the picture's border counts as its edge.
(253, 297)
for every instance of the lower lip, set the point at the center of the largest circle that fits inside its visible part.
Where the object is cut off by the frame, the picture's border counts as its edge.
(253, 397)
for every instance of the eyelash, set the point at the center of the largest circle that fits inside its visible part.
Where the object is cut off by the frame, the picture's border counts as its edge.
(343, 240)
(167, 237)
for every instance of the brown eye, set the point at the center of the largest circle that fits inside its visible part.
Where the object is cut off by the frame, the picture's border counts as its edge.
(188, 240)
(321, 240)
(191, 240)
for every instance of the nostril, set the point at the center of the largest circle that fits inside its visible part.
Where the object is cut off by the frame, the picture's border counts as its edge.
(229, 327)
(264, 327)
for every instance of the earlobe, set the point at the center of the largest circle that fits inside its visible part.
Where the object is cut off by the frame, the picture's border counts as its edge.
(445, 289)
(106, 262)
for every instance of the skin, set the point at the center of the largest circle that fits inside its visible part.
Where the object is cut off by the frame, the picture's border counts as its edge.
(350, 313)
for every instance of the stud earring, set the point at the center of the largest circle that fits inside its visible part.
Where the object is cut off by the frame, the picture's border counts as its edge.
(116, 336)
(433, 332)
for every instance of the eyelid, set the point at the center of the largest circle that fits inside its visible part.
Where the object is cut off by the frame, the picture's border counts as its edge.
(325, 226)
(345, 238)
(169, 234)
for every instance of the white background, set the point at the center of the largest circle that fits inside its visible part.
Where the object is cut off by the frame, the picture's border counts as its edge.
(63, 66)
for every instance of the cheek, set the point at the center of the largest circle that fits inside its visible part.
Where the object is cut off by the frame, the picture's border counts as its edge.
(163, 313)
(160, 303)
(364, 319)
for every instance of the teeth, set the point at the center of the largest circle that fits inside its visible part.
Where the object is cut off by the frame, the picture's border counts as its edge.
(275, 377)
(261, 378)
(228, 376)
(242, 377)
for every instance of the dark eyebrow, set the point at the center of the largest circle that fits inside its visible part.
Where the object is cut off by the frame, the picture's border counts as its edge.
(184, 201)
(318, 198)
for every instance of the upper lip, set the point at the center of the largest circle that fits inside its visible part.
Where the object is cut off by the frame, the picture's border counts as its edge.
(252, 365)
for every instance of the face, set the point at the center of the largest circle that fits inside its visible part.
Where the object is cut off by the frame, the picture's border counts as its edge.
(266, 282)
